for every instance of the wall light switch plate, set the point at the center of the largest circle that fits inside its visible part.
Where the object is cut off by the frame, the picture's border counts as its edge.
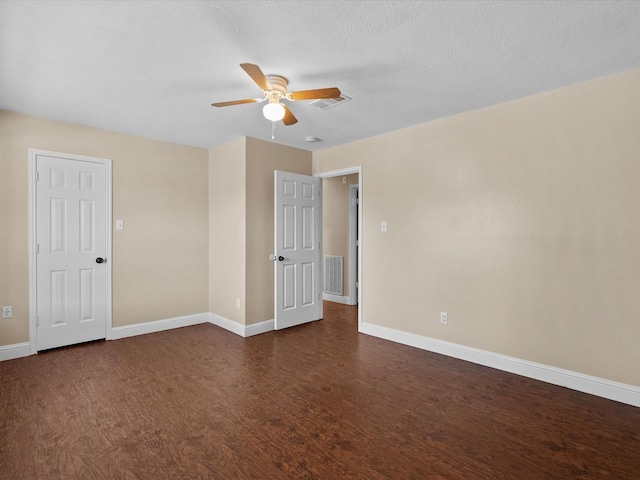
(383, 226)
(119, 224)
(7, 312)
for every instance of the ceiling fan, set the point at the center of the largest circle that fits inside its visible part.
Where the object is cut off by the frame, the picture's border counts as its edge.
(274, 88)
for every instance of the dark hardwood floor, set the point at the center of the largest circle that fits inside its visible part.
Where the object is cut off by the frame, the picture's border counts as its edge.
(319, 401)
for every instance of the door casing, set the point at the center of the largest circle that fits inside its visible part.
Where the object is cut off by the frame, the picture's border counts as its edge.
(354, 235)
(33, 154)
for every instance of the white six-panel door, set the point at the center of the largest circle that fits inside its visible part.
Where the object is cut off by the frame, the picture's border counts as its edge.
(298, 251)
(71, 251)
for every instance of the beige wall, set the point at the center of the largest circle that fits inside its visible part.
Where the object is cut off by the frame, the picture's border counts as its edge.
(263, 158)
(241, 225)
(159, 190)
(227, 229)
(335, 218)
(520, 220)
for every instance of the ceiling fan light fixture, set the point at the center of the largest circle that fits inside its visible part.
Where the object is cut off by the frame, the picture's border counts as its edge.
(274, 88)
(273, 111)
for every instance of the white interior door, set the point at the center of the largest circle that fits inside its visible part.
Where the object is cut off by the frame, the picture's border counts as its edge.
(298, 249)
(71, 247)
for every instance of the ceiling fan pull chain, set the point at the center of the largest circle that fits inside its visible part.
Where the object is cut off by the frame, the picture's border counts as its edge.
(273, 130)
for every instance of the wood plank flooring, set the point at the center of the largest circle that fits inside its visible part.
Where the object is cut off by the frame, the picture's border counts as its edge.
(319, 401)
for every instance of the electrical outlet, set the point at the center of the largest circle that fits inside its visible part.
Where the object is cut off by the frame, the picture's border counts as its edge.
(444, 317)
(7, 312)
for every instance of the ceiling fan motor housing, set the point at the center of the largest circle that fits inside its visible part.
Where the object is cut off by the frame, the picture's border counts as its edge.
(278, 88)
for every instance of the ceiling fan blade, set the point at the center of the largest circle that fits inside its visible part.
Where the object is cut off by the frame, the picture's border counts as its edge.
(289, 117)
(315, 94)
(234, 102)
(256, 74)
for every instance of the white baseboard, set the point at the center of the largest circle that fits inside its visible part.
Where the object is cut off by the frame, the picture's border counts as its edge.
(330, 297)
(258, 328)
(231, 325)
(16, 350)
(239, 328)
(158, 325)
(619, 392)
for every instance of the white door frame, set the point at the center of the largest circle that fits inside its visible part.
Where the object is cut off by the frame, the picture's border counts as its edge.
(340, 173)
(33, 153)
(354, 233)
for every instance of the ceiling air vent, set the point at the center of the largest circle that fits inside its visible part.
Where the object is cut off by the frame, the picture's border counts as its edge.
(327, 103)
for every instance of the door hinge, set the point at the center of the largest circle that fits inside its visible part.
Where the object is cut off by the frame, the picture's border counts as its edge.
(37, 321)
(37, 176)
(37, 248)
(357, 243)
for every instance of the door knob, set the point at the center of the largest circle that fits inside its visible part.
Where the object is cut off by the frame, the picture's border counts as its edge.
(100, 260)
(280, 258)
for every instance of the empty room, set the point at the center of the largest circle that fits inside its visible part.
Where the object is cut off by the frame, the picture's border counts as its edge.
(319, 239)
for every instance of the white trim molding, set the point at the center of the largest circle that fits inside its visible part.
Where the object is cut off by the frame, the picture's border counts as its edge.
(330, 297)
(231, 325)
(258, 328)
(239, 328)
(158, 325)
(619, 392)
(354, 233)
(16, 350)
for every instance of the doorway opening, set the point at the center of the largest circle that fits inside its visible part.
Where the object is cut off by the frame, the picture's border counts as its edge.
(353, 267)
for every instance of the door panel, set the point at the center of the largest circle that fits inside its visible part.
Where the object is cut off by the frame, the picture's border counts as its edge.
(298, 212)
(58, 297)
(71, 232)
(87, 226)
(308, 223)
(87, 294)
(308, 287)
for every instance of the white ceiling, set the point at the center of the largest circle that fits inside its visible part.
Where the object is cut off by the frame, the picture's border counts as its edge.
(153, 68)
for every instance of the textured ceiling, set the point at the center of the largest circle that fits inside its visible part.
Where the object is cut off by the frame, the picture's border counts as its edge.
(153, 68)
